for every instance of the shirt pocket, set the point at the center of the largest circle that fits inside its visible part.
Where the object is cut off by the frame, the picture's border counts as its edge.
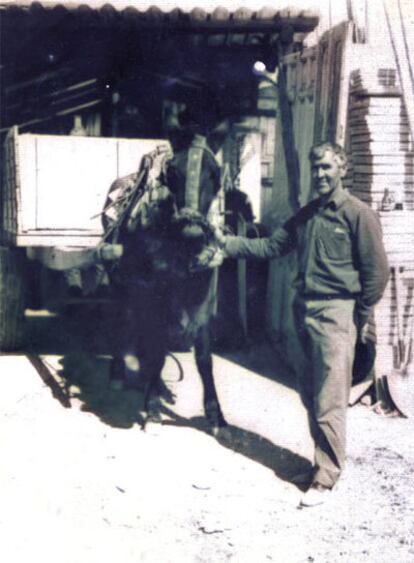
(334, 243)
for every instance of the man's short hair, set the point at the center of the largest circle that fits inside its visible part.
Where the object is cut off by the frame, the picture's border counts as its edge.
(318, 150)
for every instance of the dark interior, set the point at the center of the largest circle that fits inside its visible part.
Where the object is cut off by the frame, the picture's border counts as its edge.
(124, 65)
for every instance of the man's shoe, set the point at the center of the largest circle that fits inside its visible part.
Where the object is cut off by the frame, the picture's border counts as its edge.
(316, 494)
(303, 478)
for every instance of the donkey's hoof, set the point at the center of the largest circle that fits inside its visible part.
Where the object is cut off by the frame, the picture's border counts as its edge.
(155, 418)
(151, 418)
(165, 393)
(214, 415)
(224, 435)
(152, 411)
(221, 433)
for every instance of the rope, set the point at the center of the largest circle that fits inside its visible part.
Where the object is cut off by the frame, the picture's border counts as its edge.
(406, 82)
(407, 48)
(180, 368)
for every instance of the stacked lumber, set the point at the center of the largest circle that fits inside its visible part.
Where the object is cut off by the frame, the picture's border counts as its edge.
(382, 157)
(369, 80)
(382, 164)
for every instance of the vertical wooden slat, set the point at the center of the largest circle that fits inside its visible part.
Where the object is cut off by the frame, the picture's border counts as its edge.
(241, 281)
(343, 87)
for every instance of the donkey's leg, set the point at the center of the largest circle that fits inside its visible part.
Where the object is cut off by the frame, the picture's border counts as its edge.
(136, 337)
(151, 346)
(204, 363)
(125, 365)
(153, 364)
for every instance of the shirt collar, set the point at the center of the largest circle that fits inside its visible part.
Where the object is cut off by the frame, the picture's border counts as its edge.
(337, 199)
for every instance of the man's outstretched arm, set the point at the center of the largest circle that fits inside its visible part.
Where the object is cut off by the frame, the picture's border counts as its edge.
(278, 244)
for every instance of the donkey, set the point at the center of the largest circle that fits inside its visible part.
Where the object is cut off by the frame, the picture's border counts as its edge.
(165, 281)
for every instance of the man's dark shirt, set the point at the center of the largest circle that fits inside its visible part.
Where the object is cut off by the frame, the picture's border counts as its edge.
(340, 250)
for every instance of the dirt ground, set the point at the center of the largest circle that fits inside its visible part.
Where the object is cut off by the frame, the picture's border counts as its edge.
(80, 482)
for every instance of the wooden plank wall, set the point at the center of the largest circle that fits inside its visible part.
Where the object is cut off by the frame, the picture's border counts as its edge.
(300, 81)
(313, 80)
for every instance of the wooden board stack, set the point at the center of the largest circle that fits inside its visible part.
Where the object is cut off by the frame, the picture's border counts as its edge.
(382, 163)
(382, 157)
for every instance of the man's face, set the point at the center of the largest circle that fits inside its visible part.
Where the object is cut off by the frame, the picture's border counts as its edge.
(327, 172)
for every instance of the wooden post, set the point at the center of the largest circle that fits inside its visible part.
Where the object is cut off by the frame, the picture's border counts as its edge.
(241, 281)
(401, 34)
(289, 145)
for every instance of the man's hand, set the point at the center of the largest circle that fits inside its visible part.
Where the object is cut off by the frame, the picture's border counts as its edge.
(210, 257)
(109, 252)
(219, 236)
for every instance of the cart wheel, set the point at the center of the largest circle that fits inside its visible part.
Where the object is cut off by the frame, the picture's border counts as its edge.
(12, 298)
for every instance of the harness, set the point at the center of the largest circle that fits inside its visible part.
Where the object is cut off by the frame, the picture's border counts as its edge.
(130, 198)
(215, 214)
(133, 200)
(192, 184)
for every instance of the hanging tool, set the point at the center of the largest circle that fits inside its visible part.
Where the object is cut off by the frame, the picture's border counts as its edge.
(399, 320)
(401, 379)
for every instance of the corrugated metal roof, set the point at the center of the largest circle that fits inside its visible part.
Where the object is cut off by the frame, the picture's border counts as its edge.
(208, 6)
(303, 16)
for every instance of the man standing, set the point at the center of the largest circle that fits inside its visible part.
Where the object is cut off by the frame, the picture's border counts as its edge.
(342, 273)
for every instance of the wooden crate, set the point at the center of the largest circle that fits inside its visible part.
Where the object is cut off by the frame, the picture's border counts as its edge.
(55, 186)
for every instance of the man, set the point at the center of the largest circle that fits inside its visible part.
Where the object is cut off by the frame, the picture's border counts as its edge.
(342, 273)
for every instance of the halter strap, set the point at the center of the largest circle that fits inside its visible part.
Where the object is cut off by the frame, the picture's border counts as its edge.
(192, 183)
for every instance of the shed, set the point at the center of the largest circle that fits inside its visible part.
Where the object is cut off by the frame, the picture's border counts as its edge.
(339, 79)
(128, 67)
(125, 71)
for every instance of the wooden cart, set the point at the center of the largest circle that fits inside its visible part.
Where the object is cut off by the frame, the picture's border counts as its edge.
(53, 190)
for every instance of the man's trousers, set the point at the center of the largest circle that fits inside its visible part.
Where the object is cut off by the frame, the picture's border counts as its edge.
(327, 332)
